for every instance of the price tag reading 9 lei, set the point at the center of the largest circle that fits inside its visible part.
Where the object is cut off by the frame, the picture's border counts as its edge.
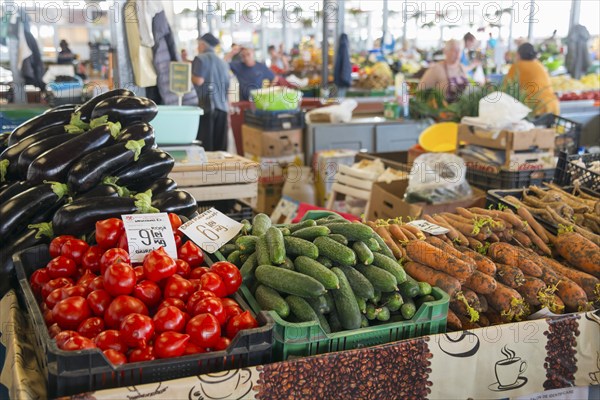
(211, 230)
(147, 232)
(428, 227)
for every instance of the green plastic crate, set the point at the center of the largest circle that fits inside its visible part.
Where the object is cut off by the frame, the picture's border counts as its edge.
(307, 338)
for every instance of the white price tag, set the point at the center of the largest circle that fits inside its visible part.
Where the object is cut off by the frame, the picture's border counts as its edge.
(211, 230)
(147, 232)
(428, 227)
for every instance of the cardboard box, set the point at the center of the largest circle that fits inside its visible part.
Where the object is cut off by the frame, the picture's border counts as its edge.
(515, 161)
(387, 201)
(268, 197)
(276, 169)
(271, 143)
(541, 138)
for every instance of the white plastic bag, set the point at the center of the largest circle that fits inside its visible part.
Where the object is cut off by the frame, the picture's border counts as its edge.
(500, 110)
(437, 178)
(336, 114)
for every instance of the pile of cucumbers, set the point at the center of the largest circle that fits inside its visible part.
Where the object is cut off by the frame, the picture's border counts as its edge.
(329, 270)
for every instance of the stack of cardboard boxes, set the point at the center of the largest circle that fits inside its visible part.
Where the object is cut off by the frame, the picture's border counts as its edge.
(276, 151)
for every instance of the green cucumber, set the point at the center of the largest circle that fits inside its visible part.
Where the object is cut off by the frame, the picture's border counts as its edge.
(341, 239)
(408, 309)
(325, 261)
(319, 304)
(304, 224)
(345, 302)
(371, 311)
(379, 278)
(276, 246)
(364, 323)
(352, 232)
(262, 251)
(409, 290)
(260, 224)
(246, 244)
(285, 231)
(377, 298)
(290, 282)
(373, 244)
(329, 299)
(248, 267)
(384, 249)
(393, 301)
(334, 321)
(269, 300)
(311, 233)
(300, 247)
(324, 324)
(424, 288)
(234, 257)
(383, 314)
(246, 227)
(364, 254)
(423, 299)
(313, 268)
(336, 252)
(301, 309)
(331, 219)
(390, 265)
(360, 285)
(288, 264)
(227, 249)
(362, 304)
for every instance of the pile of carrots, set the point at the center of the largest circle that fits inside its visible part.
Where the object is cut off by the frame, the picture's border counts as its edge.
(498, 266)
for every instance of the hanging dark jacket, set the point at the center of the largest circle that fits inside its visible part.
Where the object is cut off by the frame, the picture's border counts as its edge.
(33, 67)
(342, 71)
(578, 57)
(165, 51)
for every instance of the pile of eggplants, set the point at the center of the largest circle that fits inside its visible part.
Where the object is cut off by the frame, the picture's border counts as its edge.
(71, 166)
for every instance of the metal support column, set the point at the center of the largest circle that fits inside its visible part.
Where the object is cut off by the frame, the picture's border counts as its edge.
(404, 26)
(199, 18)
(385, 17)
(284, 34)
(123, 71)
(327, 5)
(531, 17)
(575, 13)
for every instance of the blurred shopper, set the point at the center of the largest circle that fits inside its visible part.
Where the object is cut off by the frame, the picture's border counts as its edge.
(449, 76)
(184, 56)
(210, 76)
(578, 57)
(250, 73)
(466, 59)
(65, 55)
(279, 63)
(533, 79)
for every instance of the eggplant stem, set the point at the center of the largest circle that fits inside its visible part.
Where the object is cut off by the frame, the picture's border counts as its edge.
(136, 147)
(43, 229)
(4, 169)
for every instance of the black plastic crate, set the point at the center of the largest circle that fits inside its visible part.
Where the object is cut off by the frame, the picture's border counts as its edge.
(496, 197)
(69, 373)
(274, 120)
(568, 132)
(488, 180)
(234, 209)
(569, 172)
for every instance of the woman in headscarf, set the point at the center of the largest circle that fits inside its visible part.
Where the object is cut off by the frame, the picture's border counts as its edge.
(449, 75)
(534, 80)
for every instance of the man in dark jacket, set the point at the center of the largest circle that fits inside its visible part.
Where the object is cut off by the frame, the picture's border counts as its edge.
(210, 76)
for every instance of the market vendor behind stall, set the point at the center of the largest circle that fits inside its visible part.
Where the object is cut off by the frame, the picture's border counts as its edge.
(533, 79)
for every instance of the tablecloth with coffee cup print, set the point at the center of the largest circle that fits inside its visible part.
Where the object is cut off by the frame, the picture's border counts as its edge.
(558, 358)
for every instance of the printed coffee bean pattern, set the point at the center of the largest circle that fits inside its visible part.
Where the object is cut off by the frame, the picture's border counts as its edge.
(398, 371)
(561, 363)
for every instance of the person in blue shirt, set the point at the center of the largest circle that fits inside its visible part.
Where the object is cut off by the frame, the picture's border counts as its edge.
(250, 73)
(465, 59)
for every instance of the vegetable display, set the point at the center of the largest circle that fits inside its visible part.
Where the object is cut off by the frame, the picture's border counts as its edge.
(92, 296)
(497, 265)
(330, 271)
(72, 166)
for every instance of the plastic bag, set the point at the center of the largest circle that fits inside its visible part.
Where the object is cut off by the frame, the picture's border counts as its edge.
(333, 114)
(500, 110)
(437, 178)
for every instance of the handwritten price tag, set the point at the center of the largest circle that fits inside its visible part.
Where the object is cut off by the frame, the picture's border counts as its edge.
(147, 232)
(211, 230)
(428, 227)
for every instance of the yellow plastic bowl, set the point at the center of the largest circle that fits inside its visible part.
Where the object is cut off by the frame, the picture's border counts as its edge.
(439, 138)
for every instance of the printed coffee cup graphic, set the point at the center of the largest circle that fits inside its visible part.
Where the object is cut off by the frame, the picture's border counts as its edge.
(595, 376)
(508, 372)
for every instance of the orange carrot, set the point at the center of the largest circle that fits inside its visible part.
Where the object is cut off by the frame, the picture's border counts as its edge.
(590, 284)
(387, 239)
(439, 220)
(453, 322)
(397, 233)
(483, 303)
(482, 263)
(481, 283)
(530, 290)
(414, 230)
(407, 233)
(536, 240)
(451, 250)
(424, 273)
(508, 302)
(580, 252)
(572, 295)
(424, 253)
(539, 229)
(483, 320)
(522, 238)
(510, 276)
(505, 253)
(472, 299)
(466, 322)
(474, 243)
